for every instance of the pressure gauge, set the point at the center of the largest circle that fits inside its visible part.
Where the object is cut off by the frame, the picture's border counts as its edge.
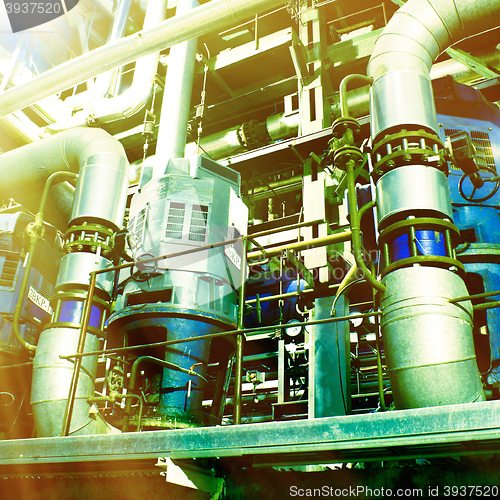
(293, 328)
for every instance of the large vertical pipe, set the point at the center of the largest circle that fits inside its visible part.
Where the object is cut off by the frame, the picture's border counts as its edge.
(428, 341)
(100, 198)
(172, 132)
(329, 361)
(403, 55)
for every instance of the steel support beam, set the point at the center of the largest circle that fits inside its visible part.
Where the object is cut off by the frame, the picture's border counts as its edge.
(465, 429)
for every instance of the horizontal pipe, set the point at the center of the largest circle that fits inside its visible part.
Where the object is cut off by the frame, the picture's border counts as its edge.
(302, 245)
(258, 329)
(472, 297)
(287, 295)
(207, 18)
(280, 229)
(135, 97)
(227, 142)
(228, 242)
(487, 305)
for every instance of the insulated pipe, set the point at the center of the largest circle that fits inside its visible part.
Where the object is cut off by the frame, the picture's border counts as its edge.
(462, 73)
(101, 195)
(358, 99)
(20, 128)
(228, 143)
(422, 29)
(172, 132)
(403, 55)
(210, 17)
(429, 347)
(428, 342)
(24, 171)
(103, 83)
(136, 96)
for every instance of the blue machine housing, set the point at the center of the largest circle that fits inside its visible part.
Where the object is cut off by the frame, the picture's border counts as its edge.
(196, 204)
(459, 107)
(43, 274)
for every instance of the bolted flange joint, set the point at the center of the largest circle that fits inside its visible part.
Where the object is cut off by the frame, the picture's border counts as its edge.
(346, 154)
(346, 124)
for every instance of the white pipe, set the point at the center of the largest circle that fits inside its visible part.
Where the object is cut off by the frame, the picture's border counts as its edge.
(462, 73)
(422, 29)
(172, 132)
(103, 83)
(136, 96)
(97, 156)
(210, 17)
(20, 128)
(417, 321)
(403, 55)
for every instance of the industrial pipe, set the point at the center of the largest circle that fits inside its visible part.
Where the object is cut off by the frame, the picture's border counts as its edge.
(302, 245)
(403, 55)
(100, 195)
(228, 142)
(357, 247)
(135, 97)
(344, 101)
(172, 132)
(21, 129)
(210, 17)
(103, 84)
(133, 378)
(24, 171)
(426, 337)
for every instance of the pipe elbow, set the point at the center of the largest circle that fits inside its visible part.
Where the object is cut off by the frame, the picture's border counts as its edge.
(422, 29)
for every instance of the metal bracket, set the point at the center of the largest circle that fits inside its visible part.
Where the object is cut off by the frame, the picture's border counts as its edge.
(190, 476)
(472, 62)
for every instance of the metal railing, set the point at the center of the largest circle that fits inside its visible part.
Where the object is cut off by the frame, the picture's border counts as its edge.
(239, 332)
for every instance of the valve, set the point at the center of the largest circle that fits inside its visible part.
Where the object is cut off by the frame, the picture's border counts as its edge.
(463, 154)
